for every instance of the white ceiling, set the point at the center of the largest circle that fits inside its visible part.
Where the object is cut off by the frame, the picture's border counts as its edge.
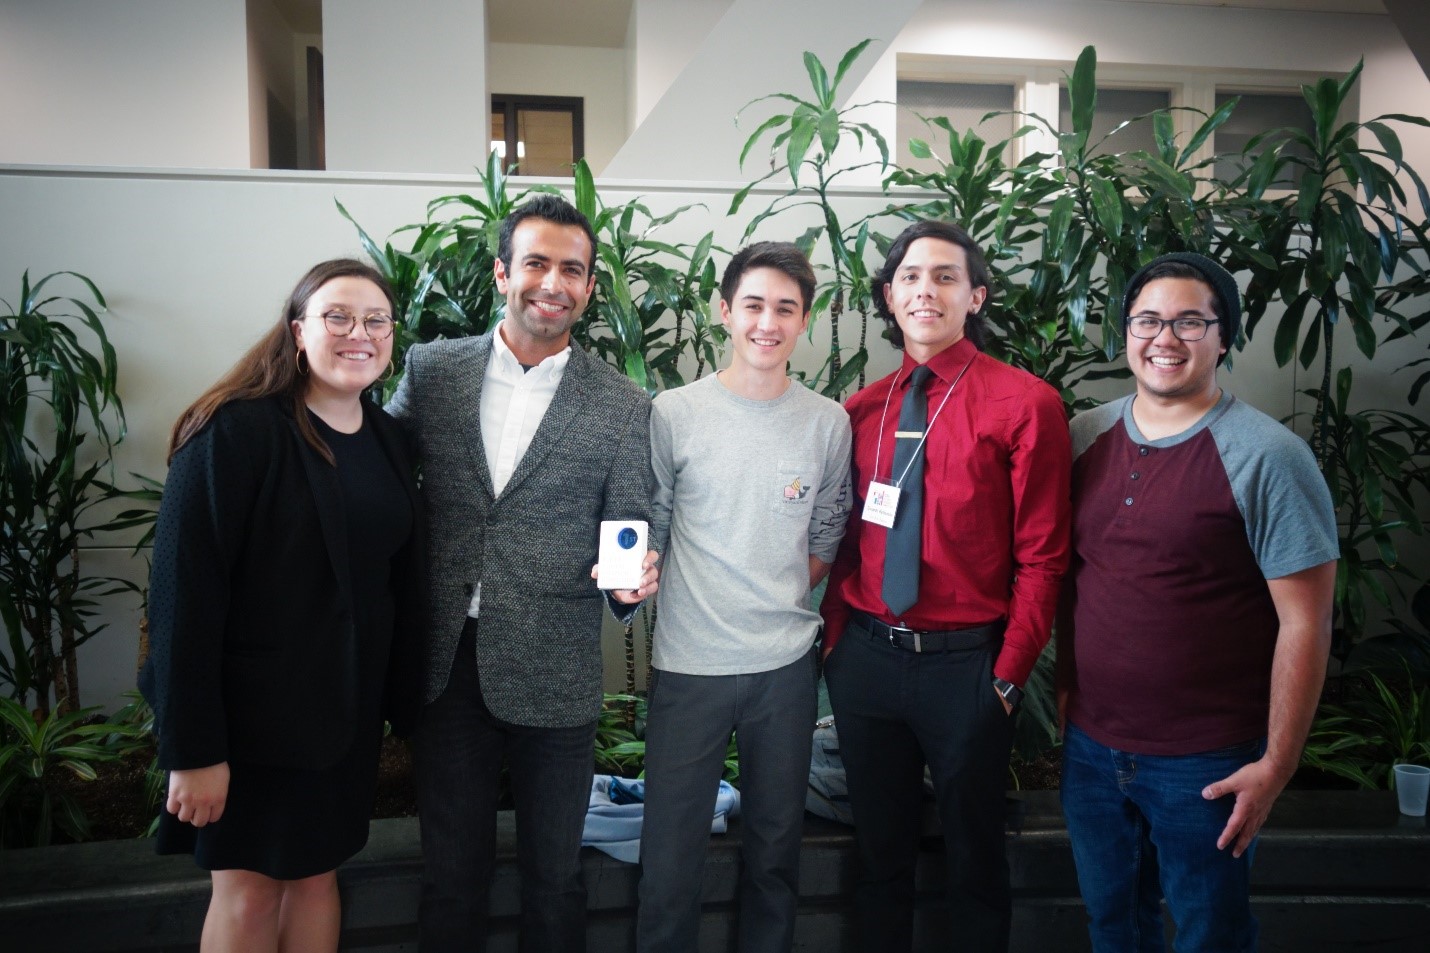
(547, 22)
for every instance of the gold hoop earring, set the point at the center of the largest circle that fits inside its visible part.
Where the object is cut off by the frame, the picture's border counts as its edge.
(300, 362)
(387, 375)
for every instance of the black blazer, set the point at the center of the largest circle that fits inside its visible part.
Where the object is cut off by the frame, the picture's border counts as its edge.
(251, 638)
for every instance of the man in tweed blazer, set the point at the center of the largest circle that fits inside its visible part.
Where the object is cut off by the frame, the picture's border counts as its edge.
(526, 443)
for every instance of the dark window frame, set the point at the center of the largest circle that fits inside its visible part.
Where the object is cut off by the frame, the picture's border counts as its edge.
(507, 105)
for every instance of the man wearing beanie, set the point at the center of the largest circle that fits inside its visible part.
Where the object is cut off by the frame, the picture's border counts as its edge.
(1194, 628)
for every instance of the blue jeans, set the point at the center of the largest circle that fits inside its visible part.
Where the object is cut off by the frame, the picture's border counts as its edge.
(460, 747)
(1141, 830)
(687, 734)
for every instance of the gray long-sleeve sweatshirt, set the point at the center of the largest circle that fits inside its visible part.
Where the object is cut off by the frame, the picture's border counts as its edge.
(746, 492)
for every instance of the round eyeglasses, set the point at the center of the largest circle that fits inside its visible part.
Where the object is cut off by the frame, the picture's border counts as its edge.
(340, 323)
(1183, 329)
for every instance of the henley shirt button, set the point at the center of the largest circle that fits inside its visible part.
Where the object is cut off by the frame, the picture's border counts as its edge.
(1136, 475)
(1128, 501)
(1143, 451)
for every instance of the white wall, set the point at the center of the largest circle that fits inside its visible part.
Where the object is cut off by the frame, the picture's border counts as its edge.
(165, 83)
(597, 74)
(754, 49)
(405, 85)
(663, 36)
(159, 83)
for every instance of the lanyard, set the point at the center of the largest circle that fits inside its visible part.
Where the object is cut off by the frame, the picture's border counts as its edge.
(884, 416)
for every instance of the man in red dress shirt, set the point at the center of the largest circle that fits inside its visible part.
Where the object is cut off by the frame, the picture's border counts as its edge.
(943, 592)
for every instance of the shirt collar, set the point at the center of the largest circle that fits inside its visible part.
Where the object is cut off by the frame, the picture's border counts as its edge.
(945, 364)
(554, 366)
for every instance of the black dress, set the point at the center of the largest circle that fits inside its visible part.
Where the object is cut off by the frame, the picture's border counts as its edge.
(289, 823)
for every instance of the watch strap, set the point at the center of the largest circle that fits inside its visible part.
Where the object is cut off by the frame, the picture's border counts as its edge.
(1011, 693)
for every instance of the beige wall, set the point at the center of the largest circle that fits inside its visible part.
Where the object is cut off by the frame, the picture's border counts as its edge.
(405, 85)
(663, 36)
(158, 83)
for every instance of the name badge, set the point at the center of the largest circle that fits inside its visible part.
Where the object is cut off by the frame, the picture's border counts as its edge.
(881, 504)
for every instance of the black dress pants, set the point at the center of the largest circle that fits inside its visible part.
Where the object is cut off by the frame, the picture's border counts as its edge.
(895, 711)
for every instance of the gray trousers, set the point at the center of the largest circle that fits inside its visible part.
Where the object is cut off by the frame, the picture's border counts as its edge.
(687, 733)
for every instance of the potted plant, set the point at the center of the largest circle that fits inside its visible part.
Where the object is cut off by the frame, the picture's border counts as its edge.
(62, 417)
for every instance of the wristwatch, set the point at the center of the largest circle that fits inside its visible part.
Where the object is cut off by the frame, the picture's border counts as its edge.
(1010, 693)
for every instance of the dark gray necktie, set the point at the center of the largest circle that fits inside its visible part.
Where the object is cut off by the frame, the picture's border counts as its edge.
(903, 549)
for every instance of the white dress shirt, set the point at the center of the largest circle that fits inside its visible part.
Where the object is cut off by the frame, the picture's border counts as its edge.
(512, 404)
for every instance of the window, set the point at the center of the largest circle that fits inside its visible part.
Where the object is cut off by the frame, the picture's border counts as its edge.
(965, 88)
(1114, 107)
(1257, 113)
(538, 135)
(963, 104)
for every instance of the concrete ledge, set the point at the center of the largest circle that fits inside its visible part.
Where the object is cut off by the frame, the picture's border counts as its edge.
(1334, 870)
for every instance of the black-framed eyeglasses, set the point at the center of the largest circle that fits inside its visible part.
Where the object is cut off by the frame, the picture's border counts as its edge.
(340, 323)
(1184, 329)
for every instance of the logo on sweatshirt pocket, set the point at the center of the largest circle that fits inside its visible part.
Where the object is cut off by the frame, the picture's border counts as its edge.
(795, 485)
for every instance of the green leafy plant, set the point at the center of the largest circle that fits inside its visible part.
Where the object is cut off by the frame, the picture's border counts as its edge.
(652, 298)
(620, 735)
(651, 305)
(620, 739)
(1338, 252)
(805, 141)
(136, 723)
(1036, 730)
(444, 281)
(62, 417)
(1099, 216)
(1332, 249)
(33, 752)
(1377, 464)
(1002, 207)
(1381, 723)
(1405, 646)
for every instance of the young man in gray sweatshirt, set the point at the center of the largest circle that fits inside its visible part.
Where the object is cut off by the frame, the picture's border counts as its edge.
(752, 492)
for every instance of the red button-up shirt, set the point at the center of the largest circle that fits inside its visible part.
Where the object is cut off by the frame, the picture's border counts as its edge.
(996, 505)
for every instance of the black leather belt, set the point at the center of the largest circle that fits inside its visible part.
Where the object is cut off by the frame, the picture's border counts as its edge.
(930, 640)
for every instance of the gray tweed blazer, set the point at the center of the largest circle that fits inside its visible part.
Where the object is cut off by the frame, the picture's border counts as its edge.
(532, 547)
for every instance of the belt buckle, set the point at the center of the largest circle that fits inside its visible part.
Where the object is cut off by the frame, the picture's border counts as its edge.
(894, 631)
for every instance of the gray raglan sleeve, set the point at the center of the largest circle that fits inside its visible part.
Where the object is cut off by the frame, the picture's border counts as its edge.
(1290, 520)
(1087, 426)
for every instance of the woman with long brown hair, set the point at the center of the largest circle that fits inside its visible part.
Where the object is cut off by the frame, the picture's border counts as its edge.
(283, 614)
